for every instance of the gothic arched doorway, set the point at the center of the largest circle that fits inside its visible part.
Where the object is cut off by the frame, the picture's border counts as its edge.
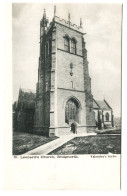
(72, 112)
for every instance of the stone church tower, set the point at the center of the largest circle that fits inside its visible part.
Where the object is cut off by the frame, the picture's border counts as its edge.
(64, 102)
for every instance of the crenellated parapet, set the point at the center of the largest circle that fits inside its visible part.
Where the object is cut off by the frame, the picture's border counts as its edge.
(65, 23)
(68, 24)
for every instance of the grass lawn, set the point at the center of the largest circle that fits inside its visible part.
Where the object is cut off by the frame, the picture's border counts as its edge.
(23, 142)
(98, 144)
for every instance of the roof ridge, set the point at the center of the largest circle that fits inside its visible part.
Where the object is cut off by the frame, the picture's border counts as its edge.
(96, 103)
(107, 104)
(102, 104)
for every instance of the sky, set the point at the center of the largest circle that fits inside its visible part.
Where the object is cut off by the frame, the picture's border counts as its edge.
(102, 25)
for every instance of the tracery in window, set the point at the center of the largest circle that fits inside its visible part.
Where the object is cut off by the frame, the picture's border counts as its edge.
(71, 111)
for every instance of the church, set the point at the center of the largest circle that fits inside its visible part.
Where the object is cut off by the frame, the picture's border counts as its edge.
(63, 103)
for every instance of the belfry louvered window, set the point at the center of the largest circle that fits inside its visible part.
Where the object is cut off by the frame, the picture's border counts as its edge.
(73, 46)
(66, 44)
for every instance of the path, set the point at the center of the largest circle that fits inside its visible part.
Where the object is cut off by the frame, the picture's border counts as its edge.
(48, 147)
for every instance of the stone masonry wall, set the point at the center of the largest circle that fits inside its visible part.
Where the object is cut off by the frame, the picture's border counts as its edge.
(42, 117)
(55, 85)
(90, 117)
(81, 80)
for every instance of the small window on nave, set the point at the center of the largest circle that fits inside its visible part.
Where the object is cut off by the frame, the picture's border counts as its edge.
(107, 116)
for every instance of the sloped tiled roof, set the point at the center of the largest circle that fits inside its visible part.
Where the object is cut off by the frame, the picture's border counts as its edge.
(95, 105)
(101, 104)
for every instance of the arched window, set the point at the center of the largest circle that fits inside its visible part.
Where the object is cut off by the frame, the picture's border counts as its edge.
(73, 46)
(107, 116)
(71, 111)
(66, 44)
(46, 87)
